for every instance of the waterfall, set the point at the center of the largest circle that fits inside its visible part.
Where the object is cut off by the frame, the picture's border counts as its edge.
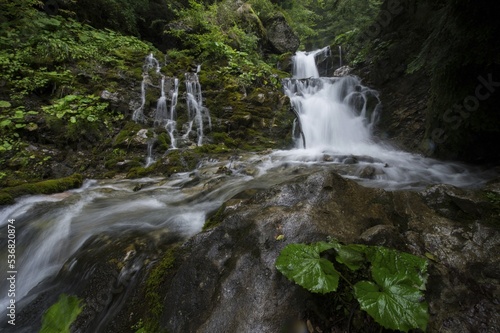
(335, 119)
(138, 115)
(334, 113)
(197, 113)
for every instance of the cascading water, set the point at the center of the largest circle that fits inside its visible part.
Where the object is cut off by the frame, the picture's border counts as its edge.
(336, 118)
(198, 114)
(165, 116)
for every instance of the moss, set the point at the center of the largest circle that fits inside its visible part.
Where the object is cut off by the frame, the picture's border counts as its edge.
(163, 141)
(139, 172)
(126, 134)
(6, 199)
(154, 282)
(215, 218)
(212, 149)
(44, 187)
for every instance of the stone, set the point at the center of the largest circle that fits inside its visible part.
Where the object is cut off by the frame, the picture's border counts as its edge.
(281, 36)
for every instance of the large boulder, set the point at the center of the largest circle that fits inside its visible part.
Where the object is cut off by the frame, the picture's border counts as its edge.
(280, 35)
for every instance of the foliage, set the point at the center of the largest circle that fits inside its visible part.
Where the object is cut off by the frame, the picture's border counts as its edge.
(75, 108)
(61, 315)
(217, 34)
(44, 187)
(393, 296)
(37, 51)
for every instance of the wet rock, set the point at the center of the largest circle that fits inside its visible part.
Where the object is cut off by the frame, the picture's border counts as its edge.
(370, 172)
(230, 268)
(455, 203)
(342, 71)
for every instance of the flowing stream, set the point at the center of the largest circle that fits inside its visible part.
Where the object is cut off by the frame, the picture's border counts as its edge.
(336, 120)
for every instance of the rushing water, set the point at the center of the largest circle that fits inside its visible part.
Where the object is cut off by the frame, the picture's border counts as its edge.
(336, 117)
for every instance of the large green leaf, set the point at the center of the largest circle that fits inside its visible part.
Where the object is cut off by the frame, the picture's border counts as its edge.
(412, 268)
(393, 305)
(61, 315)
(395, 300)
(302, 264)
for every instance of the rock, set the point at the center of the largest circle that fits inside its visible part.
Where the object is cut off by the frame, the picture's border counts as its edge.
(342, 71)
(368, 172)
(280, 35)
(109, 96)
(230, 268)
(141, 136)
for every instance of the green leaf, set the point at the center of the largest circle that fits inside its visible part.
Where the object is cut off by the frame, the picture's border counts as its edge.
(353, 256)
(412, 268)
(302, 264)
(91, 118)
(5, 123)
(18, 114)
(61, 315)
(4, 104)
(72, 120)
(393, 305)
(395, 300)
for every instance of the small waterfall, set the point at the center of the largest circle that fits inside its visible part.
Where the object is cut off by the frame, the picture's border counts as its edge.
(138, 115)
(304, 63)
(197, 113)
(150, 63)
(334, 113)
(340, 56)
(166, 116)
(149, 158)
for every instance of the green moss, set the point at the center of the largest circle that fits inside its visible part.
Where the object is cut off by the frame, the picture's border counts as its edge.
(215, 218)
(6, 199)
(139, 172)
(127, 133)
(154, 282)
(44, 187)
(163, 141)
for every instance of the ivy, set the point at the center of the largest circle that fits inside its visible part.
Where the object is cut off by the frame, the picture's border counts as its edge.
(393, 294)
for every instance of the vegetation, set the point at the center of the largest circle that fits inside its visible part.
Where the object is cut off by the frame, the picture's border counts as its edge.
(393, 294)
(8, 194)
(61, 315)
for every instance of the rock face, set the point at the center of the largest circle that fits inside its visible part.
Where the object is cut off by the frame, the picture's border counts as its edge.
(227, 281)
(281, 36)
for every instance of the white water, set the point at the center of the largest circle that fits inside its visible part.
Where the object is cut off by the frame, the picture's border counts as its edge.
(198, 114)
(337, 116)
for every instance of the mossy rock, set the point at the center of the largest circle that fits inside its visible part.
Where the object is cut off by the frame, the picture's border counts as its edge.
(126, 134)
(156, 278)
(43, 187)
(6, 199)
(214, 218)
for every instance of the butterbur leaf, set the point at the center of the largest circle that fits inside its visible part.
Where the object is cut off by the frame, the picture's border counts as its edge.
(302, 264)
(395, 300)
(411, 269)
(61, 315)
(352, 255)
(393, 305)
